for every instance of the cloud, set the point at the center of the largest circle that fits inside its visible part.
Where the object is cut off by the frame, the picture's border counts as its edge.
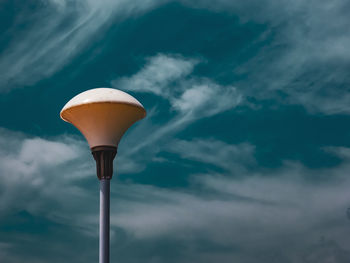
(169, 77)
(156, 77)
(311, 70)
(36, 171)
(204, 98)
(271, 199)
(233, 159)
(301, 57)
(301, 62)
(197, 102)
(56, 32)
(191, 98)
(44, 175)
(4, 246)
(307, 58)
(283, 214)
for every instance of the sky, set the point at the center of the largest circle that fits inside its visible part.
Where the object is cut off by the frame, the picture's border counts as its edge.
(244, 155)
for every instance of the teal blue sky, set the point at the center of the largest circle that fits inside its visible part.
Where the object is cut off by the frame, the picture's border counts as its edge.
(245, 152)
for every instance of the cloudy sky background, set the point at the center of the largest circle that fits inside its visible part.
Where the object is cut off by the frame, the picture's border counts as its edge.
(244, 155)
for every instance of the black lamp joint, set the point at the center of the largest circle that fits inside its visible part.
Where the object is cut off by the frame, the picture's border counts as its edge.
(104, 156)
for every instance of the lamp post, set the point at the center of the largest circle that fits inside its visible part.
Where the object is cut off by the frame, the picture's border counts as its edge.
(103, 115)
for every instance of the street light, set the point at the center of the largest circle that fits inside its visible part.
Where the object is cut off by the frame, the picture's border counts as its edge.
(103, 115)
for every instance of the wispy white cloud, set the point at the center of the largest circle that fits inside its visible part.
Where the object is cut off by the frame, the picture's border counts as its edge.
(233, 159)
(204, 98)
(158, 74)
(312, 68)
(306, 58)
(190, 98)
(57, 31)
(197, 102)
(170, 77)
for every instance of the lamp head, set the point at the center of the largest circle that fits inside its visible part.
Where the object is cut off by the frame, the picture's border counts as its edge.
(103, 115)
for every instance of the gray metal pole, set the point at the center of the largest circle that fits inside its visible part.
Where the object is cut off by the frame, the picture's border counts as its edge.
(104, 156)
(104, 220)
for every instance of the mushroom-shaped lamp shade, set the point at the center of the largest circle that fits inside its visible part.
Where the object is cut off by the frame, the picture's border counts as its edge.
(103, 115)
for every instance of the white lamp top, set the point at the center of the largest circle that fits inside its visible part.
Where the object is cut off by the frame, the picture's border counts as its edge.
(101, 95)
(103, 115)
